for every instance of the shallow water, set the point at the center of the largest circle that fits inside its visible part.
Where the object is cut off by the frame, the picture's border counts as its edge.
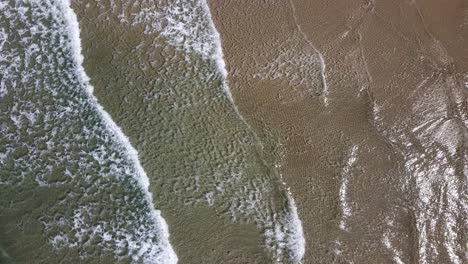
(71, 185)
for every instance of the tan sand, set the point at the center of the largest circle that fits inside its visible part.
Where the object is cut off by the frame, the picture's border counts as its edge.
(377, 56)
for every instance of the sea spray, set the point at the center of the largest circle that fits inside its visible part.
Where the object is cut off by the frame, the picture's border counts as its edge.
(66, 148)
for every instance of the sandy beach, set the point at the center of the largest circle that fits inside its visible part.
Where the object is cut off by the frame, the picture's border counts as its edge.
(347, 143)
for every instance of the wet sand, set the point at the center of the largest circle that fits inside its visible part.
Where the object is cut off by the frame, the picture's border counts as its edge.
(347, 144)
(345, 129)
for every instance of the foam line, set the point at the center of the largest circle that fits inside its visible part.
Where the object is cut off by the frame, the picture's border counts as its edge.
(167, 255)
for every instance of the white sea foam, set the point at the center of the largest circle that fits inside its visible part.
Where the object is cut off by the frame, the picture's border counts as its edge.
(163, 252)
(343, 193)
(218, 56)
(295, 241)
(187, 26)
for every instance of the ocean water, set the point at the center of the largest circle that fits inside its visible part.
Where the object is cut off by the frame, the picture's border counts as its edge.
(72, 186)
